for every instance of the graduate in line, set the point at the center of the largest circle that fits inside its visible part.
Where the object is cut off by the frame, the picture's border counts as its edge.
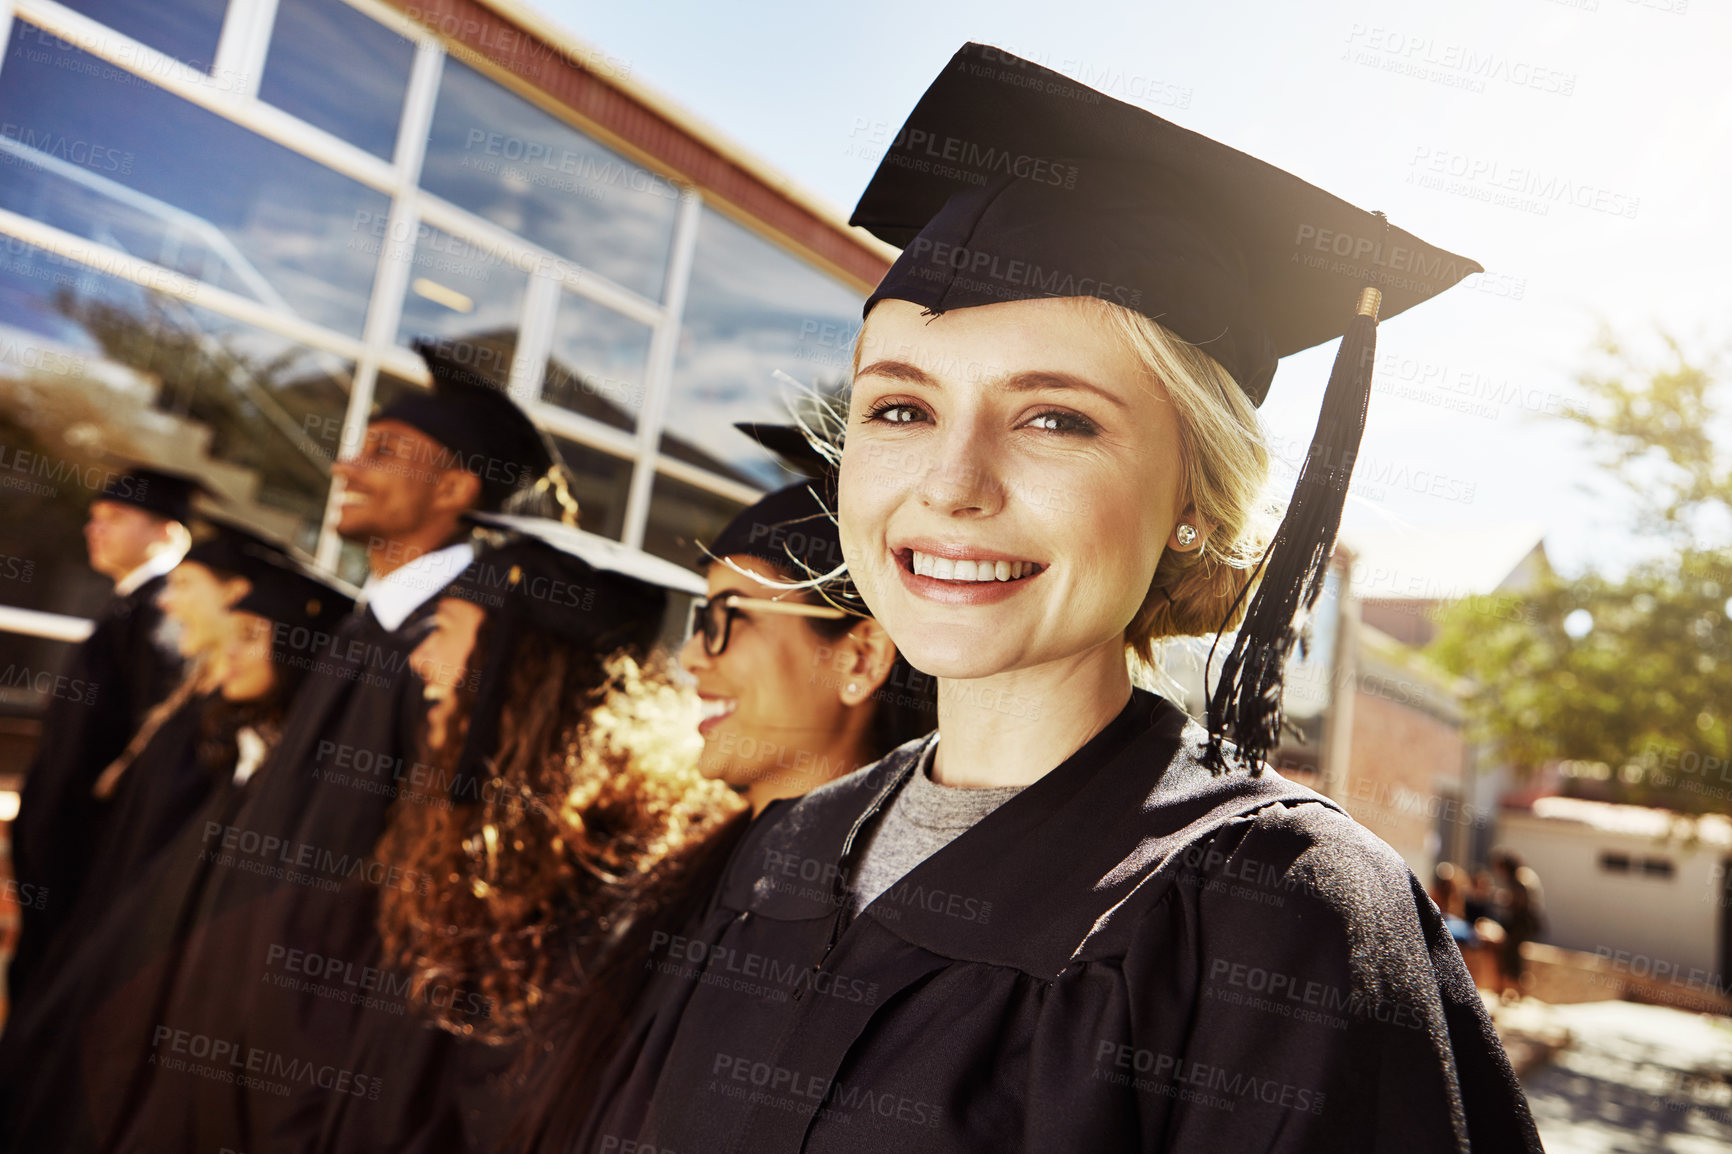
(563, 810)
(242, 605)
(291, 874)
(136, 534)
(800, 684)
(1073, 919)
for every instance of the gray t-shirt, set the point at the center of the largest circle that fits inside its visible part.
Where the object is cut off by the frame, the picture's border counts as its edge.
(923, 818)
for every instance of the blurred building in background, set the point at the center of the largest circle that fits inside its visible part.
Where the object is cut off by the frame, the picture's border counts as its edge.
(223, 221)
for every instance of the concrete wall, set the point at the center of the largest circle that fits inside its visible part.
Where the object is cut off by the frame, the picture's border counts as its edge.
(1673, 921)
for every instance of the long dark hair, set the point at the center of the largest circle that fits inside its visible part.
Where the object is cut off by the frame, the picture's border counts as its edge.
(576, 833)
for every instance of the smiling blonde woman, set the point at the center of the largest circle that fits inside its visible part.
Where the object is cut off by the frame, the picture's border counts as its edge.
(1073, 919)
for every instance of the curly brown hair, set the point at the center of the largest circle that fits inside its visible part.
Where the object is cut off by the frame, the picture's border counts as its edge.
(591, 810)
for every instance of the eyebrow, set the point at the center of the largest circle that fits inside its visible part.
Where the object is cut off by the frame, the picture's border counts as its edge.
(1024, 382)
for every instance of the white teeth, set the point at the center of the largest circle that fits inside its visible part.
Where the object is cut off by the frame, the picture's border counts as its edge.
(716, 707)
(947, 569)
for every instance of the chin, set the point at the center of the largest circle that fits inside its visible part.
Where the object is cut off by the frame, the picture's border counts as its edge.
(955, 653)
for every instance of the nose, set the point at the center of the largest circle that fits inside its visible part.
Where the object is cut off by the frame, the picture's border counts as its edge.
(961, 478)
(693, 659)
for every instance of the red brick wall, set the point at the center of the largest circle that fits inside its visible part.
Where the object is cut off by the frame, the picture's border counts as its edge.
(1399, 756)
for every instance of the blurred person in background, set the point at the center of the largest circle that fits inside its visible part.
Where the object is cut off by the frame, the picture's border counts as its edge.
(800, 683)
(244, 607)
(562, 815)
(1519, 913)
(428, 457)
(136, 535)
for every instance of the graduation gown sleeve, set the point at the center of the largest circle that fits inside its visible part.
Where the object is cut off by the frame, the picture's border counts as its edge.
(1322, 1006)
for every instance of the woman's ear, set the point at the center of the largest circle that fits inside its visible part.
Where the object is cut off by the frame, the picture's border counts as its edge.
(864, 658)
(1190, 531)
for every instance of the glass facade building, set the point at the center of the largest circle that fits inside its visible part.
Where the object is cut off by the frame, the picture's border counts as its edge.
(222, 222)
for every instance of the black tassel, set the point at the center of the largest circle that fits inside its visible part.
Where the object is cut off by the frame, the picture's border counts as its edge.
(1246, 702)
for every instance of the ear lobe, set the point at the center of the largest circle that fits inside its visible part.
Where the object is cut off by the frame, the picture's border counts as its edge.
(1191, 532)
(873, 655)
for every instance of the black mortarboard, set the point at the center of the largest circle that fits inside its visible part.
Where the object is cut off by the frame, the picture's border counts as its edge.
(554, 579)
(471, 416)
(790, 443)
(1013, 182)
(167, 493)
(790, 528)
(288, 589)
(284, 585)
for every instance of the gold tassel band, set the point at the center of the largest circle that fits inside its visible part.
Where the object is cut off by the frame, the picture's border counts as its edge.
(1369, 299)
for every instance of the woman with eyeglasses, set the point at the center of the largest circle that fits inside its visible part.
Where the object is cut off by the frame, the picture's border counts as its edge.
(800, 685)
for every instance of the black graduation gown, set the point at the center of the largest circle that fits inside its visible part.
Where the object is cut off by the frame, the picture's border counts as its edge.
(283, 952)
(68, 1062)
(1132, 954)
(157, 795)
(114, 678)
(33, 1076)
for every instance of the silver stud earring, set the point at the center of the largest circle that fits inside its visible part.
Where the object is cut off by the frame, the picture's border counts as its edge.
(1187, 535)
(853, 687)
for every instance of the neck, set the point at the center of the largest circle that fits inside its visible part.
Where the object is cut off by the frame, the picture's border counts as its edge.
(386, 555)
(1012, 728)
(846, 751)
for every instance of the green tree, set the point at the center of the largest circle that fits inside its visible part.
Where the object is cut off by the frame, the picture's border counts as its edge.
(1626, 679)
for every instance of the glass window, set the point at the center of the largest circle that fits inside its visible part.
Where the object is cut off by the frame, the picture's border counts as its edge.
(461, 291)
(187, 30)
(752, 308)
(502, 158)
(683, 518)
(100, 153)
(598, 361)
(602, 482)
(101, 365)
(93, 369)
(338, 70)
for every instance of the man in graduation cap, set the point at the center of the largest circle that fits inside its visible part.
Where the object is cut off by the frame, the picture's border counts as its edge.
(1074, 919)
(136, 534)
(348, 747)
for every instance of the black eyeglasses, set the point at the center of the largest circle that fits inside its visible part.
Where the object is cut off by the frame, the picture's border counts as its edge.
(714, 616)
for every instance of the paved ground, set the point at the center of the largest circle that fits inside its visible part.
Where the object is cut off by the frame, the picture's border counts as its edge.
(1632, 1080)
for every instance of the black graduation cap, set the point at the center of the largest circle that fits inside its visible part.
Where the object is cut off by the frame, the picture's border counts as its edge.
(556, 579)
(789, 442)
(1013, 182)
(290, 590)
(167, 493)
(790, 528)
(471, 416)
(284, 584)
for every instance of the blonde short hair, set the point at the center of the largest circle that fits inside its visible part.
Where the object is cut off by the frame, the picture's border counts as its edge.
(1226, 464)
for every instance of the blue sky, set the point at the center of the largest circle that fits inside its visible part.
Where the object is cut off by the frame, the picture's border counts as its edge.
(1580, 149)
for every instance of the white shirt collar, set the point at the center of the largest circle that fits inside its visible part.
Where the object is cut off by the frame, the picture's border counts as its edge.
(403, 590)
(160, 562)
